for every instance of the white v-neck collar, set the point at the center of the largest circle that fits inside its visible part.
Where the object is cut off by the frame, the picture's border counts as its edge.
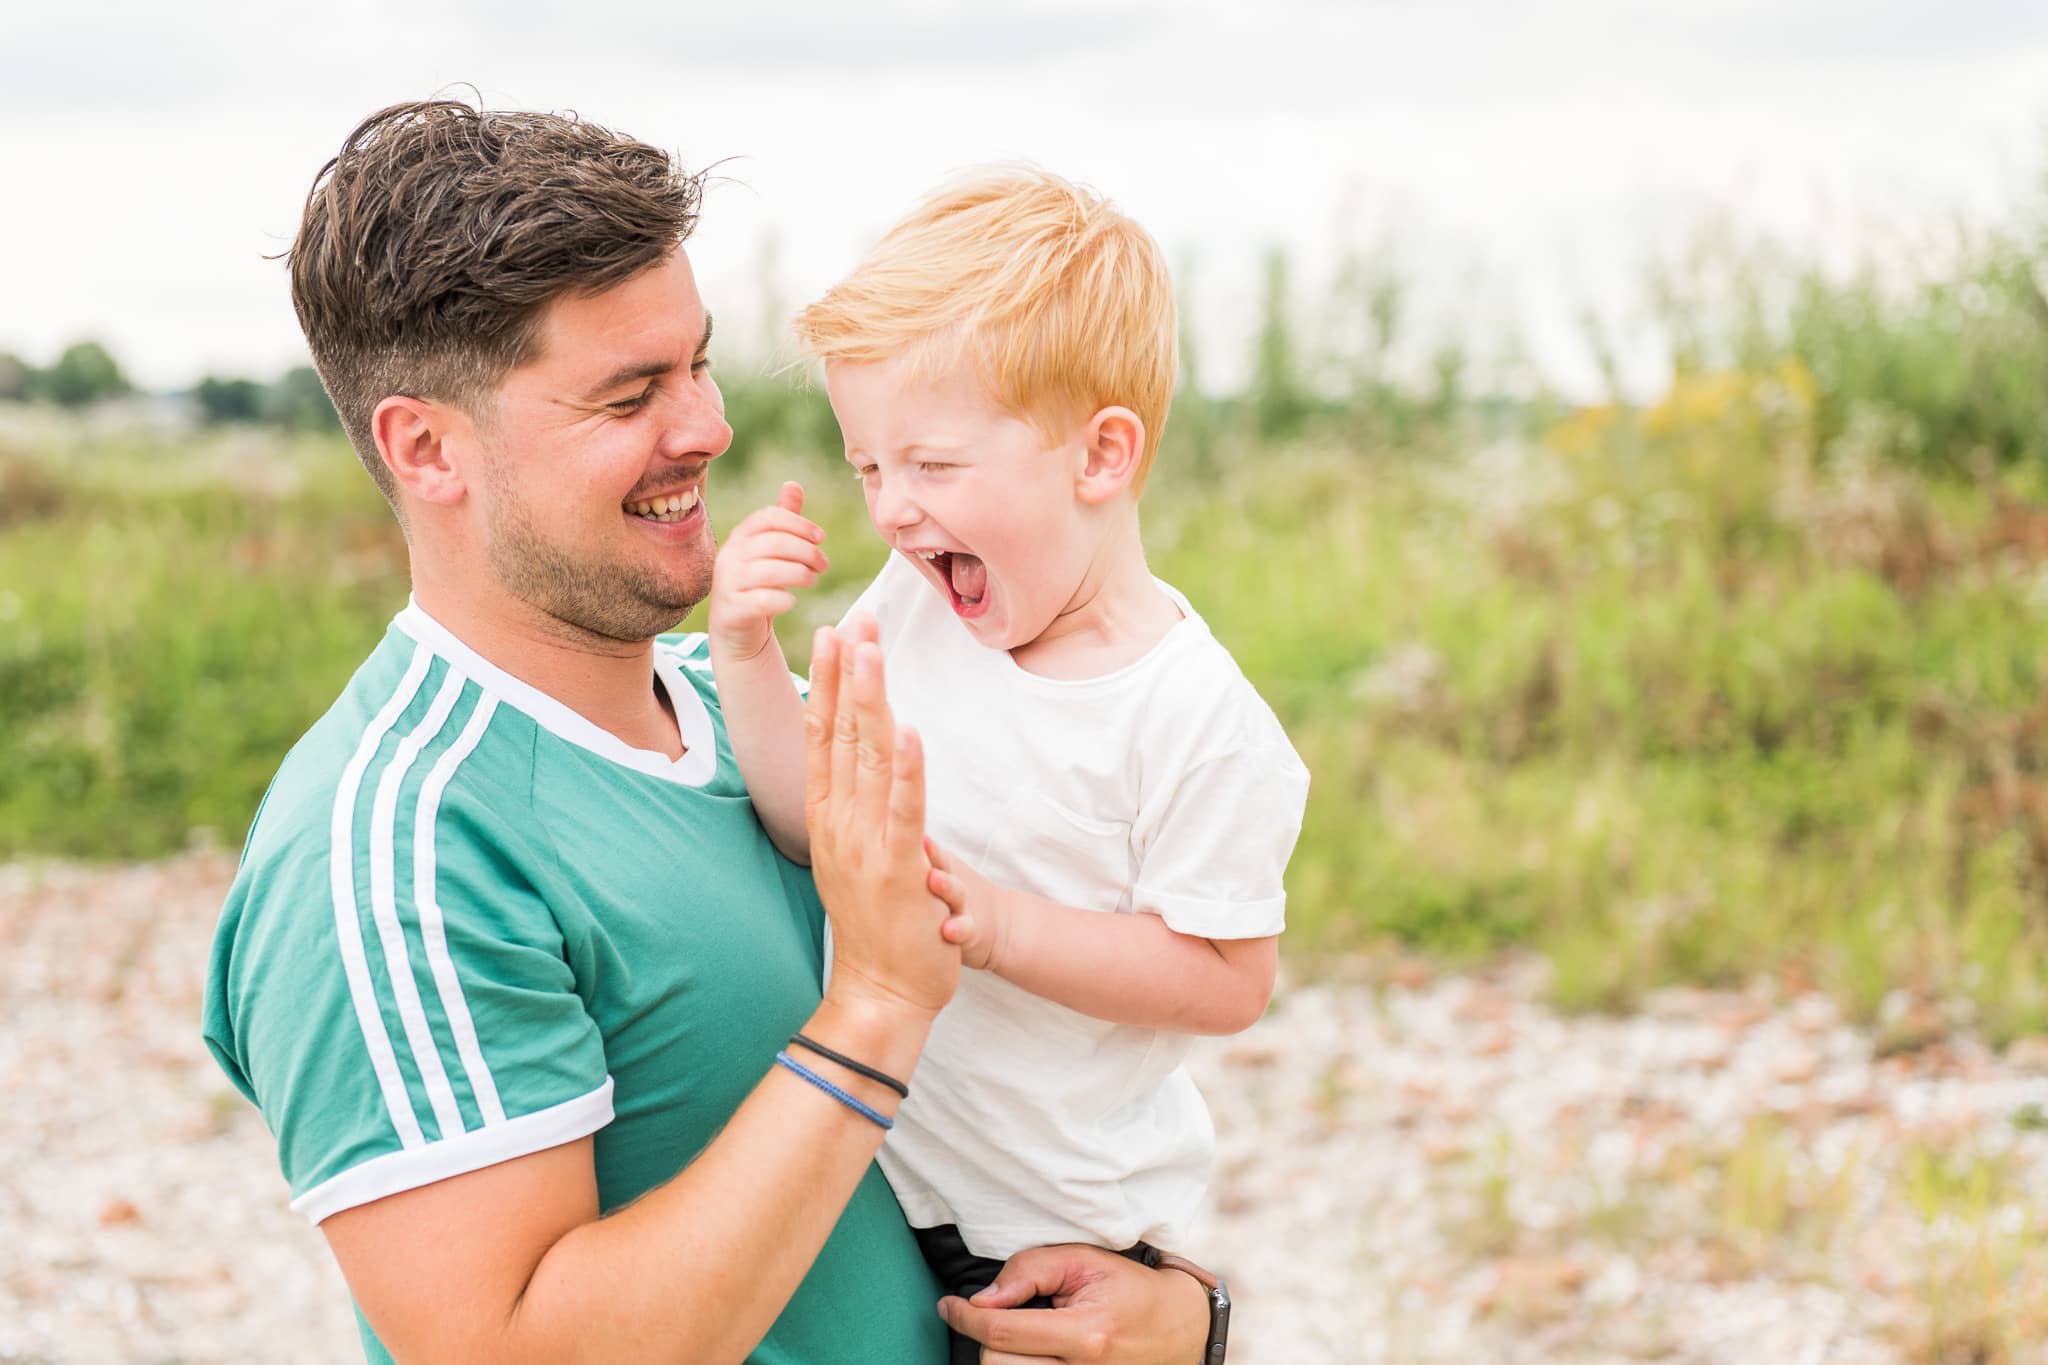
(697, 766)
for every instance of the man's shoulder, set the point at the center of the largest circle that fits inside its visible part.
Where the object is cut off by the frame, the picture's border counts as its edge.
(407, 728)
(416, 772)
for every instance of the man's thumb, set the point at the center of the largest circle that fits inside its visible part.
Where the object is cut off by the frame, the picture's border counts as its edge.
(1012, 1293)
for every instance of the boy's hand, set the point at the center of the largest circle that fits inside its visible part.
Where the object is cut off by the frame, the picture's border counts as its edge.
(977, 921)
(770, 553)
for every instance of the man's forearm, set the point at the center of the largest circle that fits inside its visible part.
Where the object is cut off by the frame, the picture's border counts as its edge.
(698, 1269)
(764, 719)
(1132, 969)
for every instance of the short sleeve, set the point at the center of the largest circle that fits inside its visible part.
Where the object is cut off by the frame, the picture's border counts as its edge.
(413, 1021)
(1212, 857)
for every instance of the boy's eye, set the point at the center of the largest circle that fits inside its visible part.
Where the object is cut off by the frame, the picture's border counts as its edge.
(931, 466)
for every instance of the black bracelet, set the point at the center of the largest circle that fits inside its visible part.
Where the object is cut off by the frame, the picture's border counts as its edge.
(857, 1068)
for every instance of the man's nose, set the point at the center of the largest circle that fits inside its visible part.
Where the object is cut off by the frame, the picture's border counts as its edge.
(693, 424)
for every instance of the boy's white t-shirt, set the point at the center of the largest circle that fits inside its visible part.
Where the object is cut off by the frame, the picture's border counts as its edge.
(1167, 787)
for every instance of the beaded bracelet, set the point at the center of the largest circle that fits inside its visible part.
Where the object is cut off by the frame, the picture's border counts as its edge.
(872, 1115)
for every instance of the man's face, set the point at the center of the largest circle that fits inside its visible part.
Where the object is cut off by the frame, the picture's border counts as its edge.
(591, 486)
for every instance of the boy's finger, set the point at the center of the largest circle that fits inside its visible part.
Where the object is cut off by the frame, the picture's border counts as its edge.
(777, 573)
(820, 715)
(956, 928)
(770, 520)
(791, 498)
(775, 545)
(934, 854)
(946, 889)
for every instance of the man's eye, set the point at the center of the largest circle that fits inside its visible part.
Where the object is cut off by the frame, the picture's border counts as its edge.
(626, 407)
(701, 365)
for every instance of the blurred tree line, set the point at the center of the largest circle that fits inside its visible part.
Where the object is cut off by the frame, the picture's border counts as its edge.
(1936, 357)
(295, 401)
(86, 373)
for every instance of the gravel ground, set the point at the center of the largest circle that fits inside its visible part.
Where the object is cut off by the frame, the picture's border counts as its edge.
(1411, 1168)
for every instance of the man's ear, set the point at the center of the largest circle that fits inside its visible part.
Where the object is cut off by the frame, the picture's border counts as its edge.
(1115, 441)
(412, 436)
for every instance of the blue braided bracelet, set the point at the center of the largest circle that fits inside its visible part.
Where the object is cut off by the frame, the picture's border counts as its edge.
(872, 1115)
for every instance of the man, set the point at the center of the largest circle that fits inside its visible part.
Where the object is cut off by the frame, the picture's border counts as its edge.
(509, 960)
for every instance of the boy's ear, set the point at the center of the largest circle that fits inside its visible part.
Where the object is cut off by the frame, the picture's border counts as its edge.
(1115, 441)
(414, 438)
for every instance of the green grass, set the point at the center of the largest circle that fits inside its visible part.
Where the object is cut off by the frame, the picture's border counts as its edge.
(1674, 700)
(170, 623)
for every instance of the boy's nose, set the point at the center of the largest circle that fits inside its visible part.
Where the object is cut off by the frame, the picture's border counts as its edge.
(894, 512)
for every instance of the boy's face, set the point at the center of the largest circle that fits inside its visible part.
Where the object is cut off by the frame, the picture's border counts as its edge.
(970, 494)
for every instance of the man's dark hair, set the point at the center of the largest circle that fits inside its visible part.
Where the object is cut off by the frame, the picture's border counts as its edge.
(431, 245)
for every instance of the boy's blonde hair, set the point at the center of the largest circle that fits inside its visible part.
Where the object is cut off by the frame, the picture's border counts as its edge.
(1063, 304)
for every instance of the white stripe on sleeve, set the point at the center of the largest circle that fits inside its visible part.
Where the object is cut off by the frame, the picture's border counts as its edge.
(433, 930)
(405, 990)
(348, 926)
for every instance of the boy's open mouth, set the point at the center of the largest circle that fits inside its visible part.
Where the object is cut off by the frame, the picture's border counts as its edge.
(964, 575)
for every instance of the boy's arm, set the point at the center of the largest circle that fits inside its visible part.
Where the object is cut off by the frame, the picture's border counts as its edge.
(1201, 953)
(767, 555)
(1126, 969)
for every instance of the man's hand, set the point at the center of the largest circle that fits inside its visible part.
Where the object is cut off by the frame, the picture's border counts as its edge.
(772, 552)
(979, 908)
(1108, 1310)
(864, 810)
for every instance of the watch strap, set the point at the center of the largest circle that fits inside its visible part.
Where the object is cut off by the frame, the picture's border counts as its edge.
(1168, 1261)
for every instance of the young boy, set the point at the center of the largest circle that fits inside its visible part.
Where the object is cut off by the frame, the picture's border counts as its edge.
(1111, 805)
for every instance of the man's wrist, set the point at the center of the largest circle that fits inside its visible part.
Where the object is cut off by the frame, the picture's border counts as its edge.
(1216, 1299)
(879, 1037)
(872, 1023)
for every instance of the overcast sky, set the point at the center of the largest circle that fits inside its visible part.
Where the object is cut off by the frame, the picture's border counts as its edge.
(1516, 158)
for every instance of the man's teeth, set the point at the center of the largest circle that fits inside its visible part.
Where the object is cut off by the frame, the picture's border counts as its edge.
(673, 507)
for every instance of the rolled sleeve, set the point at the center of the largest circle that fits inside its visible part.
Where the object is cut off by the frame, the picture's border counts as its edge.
(1215, 859)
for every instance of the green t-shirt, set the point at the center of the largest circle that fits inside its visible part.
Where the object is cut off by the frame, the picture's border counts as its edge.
(470, 925)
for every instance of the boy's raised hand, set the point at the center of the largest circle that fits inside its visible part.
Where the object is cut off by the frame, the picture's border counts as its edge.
(766, 557)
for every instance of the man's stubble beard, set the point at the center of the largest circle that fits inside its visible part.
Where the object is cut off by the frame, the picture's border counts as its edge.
(612, 600)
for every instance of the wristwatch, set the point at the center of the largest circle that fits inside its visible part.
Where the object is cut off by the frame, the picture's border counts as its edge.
(1219, 1303)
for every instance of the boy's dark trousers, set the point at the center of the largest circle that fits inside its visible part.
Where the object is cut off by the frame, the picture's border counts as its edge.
(962, 1272)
